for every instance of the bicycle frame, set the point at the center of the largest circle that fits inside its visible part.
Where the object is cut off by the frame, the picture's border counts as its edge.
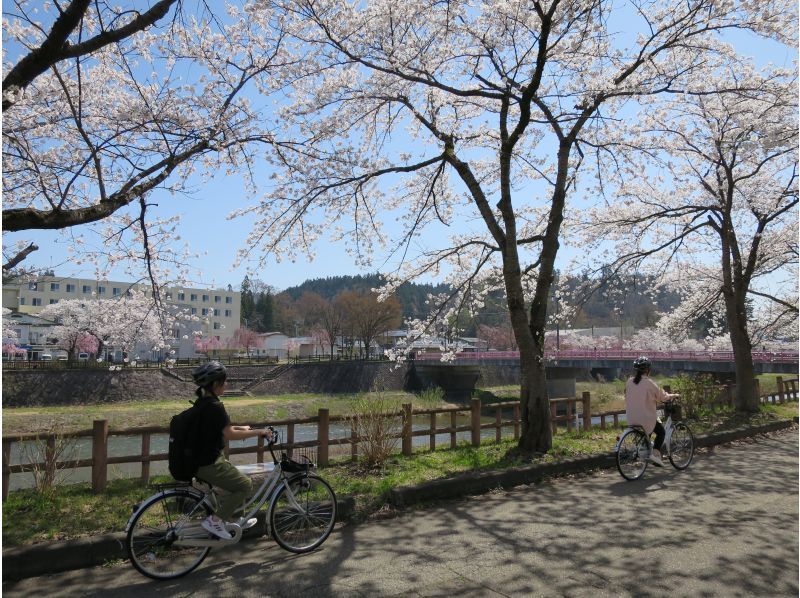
(668, 426)
(195, 535)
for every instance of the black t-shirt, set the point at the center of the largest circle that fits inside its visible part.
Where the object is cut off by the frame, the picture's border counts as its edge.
(213, 419)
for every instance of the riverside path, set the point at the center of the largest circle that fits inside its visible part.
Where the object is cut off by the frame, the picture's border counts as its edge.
(728, 526)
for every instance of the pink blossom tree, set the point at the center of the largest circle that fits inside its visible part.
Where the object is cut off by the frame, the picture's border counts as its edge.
(493, 110)
(207, 345)
(244, 338)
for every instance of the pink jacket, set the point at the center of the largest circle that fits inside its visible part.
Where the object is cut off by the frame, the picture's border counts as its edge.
(640, 402)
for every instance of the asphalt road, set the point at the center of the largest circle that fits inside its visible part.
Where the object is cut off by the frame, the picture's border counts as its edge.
(728, 526)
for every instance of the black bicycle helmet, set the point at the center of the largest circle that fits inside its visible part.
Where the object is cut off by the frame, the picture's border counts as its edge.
(642, 364)
(210, 372)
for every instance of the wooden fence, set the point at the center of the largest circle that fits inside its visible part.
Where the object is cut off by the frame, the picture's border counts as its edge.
(441, 421)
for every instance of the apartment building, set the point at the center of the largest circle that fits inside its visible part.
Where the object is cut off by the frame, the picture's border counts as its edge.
(219, 310)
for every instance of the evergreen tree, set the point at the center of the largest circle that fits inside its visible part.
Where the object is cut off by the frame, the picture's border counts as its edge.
(247, 305)
(265, 311)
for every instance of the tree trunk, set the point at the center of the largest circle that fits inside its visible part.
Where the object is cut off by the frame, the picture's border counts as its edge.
(745, 399)
(537, 436)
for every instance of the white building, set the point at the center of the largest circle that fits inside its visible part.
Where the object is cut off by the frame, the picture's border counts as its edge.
(218, 310)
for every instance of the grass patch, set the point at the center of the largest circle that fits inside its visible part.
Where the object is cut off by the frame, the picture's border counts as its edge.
(243, 410)
(74, 511)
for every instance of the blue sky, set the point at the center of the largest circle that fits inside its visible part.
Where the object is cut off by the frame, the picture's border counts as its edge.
(209, 233)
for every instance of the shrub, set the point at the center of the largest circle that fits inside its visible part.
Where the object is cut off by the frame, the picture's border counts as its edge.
(377, 423)
(47, 454)
(697, 393)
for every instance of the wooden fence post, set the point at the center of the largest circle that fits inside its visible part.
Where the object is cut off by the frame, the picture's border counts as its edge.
(145, 458)
(781, 393)
(570, 409)
(353, 441)
(290, 439)
(99, 455)
(6, 467)
(453, 433)
(323, 436)
(553, 415)
(407, 429)
(587, 410)
(433, 432)
(517, 420)
(260, 449)
(475, 412)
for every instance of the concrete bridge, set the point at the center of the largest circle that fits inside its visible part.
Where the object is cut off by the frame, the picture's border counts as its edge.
(458, 376)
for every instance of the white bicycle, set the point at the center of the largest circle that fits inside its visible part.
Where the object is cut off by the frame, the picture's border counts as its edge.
(634, 446)
(165, 539)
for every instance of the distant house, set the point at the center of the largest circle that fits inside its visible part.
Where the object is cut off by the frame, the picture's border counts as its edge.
(33, 334)
(271, 344)
(305, 346)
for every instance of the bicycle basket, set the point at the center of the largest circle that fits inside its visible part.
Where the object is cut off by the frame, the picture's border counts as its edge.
(291, 466)
(672, 409)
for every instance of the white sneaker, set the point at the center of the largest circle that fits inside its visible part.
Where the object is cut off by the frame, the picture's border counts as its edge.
(655, 459)
(249, 523)
(216, 527)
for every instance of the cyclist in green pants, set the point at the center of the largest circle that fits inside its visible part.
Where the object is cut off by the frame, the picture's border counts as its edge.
(213, 429)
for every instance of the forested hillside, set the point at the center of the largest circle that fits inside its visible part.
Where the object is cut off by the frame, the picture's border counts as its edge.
(615, 302)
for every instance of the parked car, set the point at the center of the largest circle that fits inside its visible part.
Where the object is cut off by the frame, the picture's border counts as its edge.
(45, 357)
(83, 357)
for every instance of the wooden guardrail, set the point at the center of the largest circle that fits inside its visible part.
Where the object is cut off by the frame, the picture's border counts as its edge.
(323, 444)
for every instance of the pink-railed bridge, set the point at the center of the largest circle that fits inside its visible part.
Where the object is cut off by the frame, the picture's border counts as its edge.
(614, 362)
(623, 355)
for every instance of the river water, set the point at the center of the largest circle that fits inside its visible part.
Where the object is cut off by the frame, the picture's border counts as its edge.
(119, 446)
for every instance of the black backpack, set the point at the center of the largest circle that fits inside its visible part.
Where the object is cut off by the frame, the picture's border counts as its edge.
(183, 442)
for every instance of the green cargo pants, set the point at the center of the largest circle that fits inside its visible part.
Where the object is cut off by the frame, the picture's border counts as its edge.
(222, 474)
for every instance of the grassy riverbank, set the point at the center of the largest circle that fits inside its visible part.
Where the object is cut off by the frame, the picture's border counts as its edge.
(74, 511)
(606, 396)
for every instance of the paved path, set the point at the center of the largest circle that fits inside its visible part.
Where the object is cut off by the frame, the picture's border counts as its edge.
(728, 526)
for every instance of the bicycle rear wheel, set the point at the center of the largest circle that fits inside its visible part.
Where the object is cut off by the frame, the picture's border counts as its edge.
(632, 454)
(152, 533)
(301, 520)
(681, 446)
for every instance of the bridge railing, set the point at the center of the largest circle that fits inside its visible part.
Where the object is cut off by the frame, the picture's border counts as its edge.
(621, 354)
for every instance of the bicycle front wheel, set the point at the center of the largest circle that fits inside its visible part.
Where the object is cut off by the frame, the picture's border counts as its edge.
(681, 446)
(302, 516)
(153, 532)
(632, 454)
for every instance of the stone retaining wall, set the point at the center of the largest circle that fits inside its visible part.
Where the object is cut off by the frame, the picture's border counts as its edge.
(33, 388)
(28, 388)
(325, 377)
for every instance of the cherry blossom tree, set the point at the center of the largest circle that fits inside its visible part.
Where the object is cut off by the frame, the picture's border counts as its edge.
(477, 113)
(10, 337)
(122, 322)
(244, 338)
(116, 106)
(207, 345)
(714, 187)
(498, 337)
(104, 25)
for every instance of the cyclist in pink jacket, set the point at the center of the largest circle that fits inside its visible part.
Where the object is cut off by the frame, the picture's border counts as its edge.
(642, 396)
